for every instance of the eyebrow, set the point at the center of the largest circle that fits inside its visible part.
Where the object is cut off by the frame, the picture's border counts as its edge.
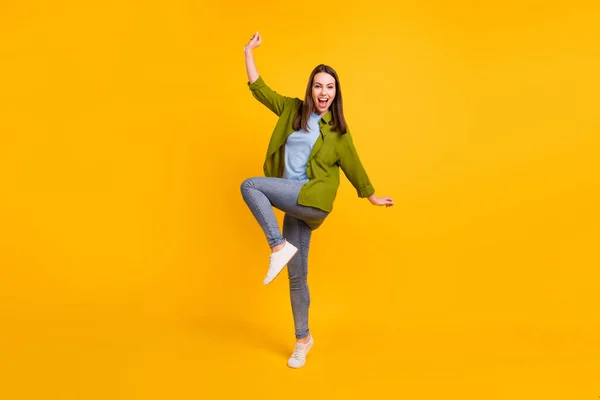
(319, 83)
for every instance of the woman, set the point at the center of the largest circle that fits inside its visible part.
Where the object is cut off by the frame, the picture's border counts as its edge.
(309, 145)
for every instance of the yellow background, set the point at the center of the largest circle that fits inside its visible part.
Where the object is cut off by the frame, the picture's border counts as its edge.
(130, 267)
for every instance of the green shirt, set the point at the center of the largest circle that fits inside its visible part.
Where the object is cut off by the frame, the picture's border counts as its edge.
(331, 151)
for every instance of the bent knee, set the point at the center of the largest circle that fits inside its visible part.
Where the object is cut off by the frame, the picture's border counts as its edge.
(247, 184)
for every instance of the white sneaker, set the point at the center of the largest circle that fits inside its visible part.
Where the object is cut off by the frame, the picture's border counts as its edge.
(298, 359)
(278, 260)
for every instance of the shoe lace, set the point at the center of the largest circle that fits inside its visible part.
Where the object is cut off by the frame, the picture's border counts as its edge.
(299, 351)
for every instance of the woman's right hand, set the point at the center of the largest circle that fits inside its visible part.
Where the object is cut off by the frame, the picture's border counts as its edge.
(254, 42)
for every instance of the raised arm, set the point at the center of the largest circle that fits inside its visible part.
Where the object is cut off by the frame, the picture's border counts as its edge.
(271, 99)
(251, 70)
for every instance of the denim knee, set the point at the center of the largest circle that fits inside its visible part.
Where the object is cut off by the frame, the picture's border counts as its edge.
(247, 184)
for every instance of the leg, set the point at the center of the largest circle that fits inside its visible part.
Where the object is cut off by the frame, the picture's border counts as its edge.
(298, 233)
(262, 209)
(262, 193)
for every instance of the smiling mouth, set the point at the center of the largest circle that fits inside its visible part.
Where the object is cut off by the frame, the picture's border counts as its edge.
(323, 102)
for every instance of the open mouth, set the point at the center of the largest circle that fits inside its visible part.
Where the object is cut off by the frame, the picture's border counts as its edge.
(323, 102)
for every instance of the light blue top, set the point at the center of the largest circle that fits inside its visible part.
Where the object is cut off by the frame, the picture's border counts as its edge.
(298, 147)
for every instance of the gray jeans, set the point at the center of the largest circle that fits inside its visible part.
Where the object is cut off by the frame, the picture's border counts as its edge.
(261, 194)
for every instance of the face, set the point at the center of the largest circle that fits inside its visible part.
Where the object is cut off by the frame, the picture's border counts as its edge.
(323, 92)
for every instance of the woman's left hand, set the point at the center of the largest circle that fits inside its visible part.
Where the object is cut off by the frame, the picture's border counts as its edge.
(381, 201)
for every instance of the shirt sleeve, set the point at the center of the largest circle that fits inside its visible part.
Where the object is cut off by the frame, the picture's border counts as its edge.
(353, 168)
(271, 99)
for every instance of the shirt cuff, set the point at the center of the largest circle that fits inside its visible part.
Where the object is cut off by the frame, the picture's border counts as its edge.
(365, 191)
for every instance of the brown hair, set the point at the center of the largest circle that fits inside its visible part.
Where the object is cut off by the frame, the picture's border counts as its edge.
(338, 122)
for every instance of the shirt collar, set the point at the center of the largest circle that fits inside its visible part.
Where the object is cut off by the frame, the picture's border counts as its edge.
(327, 117)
